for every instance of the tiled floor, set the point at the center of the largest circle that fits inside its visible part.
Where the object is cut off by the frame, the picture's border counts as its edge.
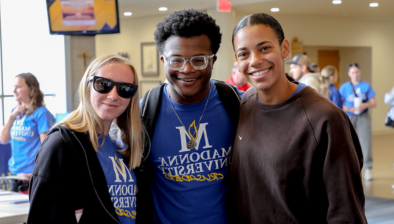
(383, 169)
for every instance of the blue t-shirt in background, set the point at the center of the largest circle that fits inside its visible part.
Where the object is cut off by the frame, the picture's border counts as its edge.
(25, 139)
(121, 180)
(335, 96)
(190, 185)
(363, 90)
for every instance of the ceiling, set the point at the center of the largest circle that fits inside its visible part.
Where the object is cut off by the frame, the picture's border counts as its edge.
(354, 9)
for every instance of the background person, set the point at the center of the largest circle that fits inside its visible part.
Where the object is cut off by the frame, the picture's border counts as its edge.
(296, 157)
(315, 68)
(81, 173)
(237, 79)
(301, 72)
(350, 92)
(26, 127)
(330, 74)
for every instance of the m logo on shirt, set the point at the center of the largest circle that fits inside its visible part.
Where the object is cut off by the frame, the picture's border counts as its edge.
(20, 120)
(120, 169)
(186, 137)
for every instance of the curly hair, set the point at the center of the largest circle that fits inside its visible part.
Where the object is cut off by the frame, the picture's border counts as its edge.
(36, 96)
(260, 18)
(188, 23)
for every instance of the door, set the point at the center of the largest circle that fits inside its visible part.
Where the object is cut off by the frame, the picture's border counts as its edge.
(329, 57)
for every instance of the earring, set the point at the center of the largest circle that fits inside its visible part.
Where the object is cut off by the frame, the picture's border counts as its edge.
(287, 58)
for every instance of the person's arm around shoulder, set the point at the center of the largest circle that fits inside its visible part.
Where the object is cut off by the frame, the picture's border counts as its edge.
(5, 133)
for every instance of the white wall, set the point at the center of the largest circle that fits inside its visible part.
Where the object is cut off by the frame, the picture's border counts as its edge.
(335, 32)
(134, 31)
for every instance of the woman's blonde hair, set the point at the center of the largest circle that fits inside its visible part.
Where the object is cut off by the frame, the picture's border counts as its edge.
(85, 119)
(328, 71)
(36, 96)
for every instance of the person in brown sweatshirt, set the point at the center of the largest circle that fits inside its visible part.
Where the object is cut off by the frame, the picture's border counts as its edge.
(296, 155)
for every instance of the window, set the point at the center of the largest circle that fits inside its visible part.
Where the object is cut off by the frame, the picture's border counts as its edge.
(27, 46)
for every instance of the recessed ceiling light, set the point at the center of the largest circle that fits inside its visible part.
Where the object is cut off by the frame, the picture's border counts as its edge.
(163, 9)
(127, 13)
(274, 9)
(336, 2)
(373, 4)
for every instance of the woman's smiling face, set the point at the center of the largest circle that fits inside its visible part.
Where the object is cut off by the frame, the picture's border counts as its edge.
(109, 106)
(260, 56)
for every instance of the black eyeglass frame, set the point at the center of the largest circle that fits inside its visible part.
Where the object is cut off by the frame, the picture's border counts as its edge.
(206, 60)
(117, 84)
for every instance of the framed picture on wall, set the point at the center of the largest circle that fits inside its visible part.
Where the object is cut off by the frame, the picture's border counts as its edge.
(145, 86)
(149, 59)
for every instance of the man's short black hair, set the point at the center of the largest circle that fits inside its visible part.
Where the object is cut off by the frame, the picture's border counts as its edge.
(188, 23)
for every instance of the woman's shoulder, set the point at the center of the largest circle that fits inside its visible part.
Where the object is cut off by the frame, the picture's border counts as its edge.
(364, 83)
(55, 139)
(320, 106)
(60, 136)
(41, 109)
(56, 152)
(42, 112)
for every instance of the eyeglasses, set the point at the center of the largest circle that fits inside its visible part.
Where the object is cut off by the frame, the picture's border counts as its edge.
(197, 62)
(103, 85)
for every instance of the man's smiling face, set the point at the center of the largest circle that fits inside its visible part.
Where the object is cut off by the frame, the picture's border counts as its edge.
(188, 85)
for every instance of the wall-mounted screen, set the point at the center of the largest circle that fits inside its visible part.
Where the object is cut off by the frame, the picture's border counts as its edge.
(83, 17)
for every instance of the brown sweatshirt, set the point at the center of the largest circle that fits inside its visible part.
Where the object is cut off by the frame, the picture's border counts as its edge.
(298, 161)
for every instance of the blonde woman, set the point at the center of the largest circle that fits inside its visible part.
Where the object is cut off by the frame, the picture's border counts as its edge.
(330, 74)
(81, 175)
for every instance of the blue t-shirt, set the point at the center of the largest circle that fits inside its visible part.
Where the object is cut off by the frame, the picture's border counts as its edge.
(189, 184)
(121, 181)
(300, 87)
(335, 96)
(25, 139)
(363, 90)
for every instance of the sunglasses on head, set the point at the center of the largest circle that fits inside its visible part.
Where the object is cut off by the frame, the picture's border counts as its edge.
(103, 85)
(353, 65)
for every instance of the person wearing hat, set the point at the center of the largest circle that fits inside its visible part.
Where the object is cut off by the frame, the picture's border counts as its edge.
(315, 68)
(300, 70)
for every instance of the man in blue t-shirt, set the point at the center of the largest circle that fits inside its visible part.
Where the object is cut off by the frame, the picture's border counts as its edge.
(351, 92)
(190, 154)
